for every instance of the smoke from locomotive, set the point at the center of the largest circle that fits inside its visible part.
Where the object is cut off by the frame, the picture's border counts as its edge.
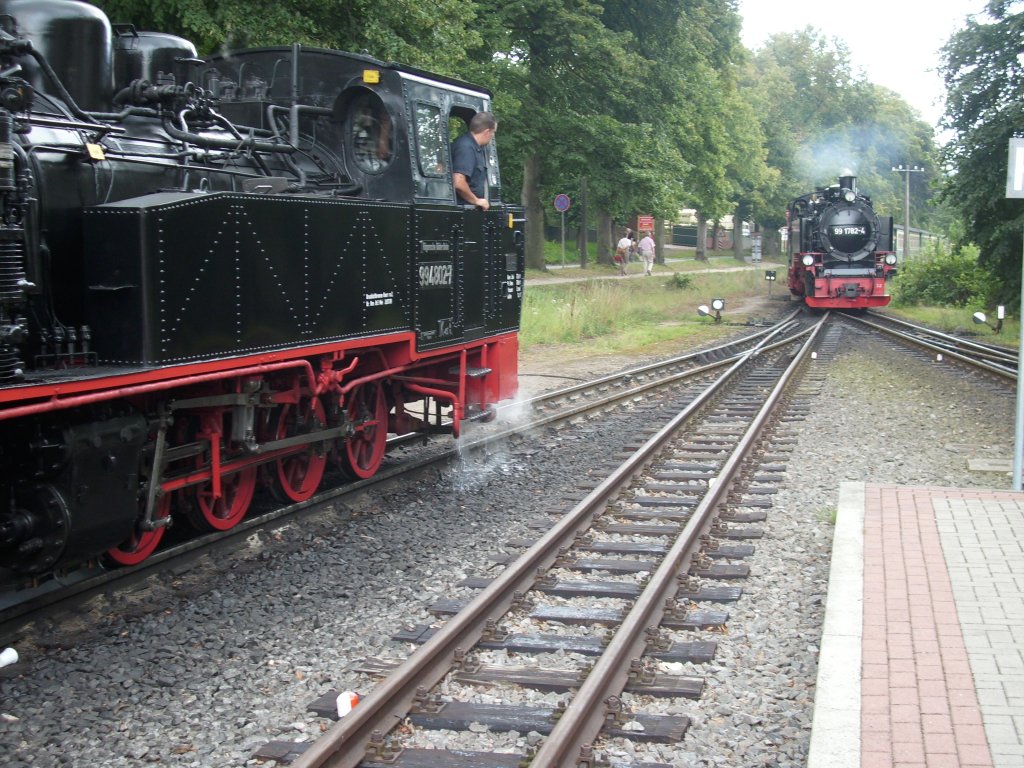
(840, 250)
(221, 276)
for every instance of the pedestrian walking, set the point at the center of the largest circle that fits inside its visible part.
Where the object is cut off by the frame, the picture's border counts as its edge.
(622, 252)
(646, 248)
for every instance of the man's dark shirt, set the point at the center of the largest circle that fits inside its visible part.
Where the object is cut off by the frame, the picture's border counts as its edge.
(469, 159)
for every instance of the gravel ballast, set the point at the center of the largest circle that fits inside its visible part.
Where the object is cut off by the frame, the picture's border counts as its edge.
(205, 666)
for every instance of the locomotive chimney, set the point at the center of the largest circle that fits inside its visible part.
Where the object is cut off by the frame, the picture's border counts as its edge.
(848, 181)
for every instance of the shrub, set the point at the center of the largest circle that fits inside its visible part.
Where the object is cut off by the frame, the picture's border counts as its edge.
(940, 277)
(679, 281)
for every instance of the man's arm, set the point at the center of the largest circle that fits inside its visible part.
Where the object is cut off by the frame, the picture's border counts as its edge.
(461, 183)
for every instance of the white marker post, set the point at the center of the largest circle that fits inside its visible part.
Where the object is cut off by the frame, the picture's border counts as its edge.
(1015, 188)
(562, 203)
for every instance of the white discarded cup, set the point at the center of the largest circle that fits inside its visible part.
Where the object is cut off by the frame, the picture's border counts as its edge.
(8, 656)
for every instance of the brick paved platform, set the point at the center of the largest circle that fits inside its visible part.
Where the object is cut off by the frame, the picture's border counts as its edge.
(922, 655)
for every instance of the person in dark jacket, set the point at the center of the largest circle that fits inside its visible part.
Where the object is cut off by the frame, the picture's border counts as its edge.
(469, 160)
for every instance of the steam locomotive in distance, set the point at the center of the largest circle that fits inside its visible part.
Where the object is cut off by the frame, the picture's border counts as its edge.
(840, 250)
(222, 277)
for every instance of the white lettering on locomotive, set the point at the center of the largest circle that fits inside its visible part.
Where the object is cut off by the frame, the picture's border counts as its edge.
(436, 275)
(513, 285)
(849, 230)
(435, 246)
(378, 299)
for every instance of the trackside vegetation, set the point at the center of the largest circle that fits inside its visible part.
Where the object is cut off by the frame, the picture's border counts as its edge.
(943, 286)
(636, 314)
(943, 276)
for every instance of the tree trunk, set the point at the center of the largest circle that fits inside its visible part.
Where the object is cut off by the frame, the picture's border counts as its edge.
(605, 238)
(702, 238)
(659, 241)
(534, 214)
(581, 241)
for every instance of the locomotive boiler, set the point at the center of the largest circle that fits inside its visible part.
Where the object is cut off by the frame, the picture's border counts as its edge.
(220, 277)
(840, 251)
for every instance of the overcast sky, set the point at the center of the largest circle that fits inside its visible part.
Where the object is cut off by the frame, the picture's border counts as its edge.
(895, 42)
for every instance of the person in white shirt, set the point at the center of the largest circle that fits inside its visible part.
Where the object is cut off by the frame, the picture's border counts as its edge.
(622, 253)
(647, 252)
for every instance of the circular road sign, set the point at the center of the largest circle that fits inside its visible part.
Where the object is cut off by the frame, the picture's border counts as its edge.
(562, 203)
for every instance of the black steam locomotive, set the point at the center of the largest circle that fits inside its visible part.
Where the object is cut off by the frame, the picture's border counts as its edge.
(840, 250)
(220, 276)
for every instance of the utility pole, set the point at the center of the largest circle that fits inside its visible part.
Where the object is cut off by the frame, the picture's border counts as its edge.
(906, 171)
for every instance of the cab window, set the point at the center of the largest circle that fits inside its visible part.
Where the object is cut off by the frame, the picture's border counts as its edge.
(373, 140)
(458, 124)
(430, 140)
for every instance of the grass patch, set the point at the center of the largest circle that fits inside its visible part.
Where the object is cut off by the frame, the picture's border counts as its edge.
(553, 251)
(633, 314)
(828, 516)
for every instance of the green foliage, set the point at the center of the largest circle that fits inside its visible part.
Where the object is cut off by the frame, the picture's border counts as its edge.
(432, 35)
(613, 314)
(553, 250)
(943, 277)
(828, 515)
(820, 118)
(680, 281)
(984, 82)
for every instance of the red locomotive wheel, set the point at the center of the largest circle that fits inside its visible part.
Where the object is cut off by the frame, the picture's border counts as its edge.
(141, 544)
(297, 477)
(363, 453)
(221, 514)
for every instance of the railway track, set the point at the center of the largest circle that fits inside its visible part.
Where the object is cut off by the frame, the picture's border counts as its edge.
(1001, 361)
(313, 630)
(23, 601)
(663, 528)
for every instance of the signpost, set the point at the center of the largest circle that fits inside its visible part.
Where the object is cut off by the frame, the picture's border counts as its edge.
(645, 224)
(1015, 189)
(562, 203)
(769, 276)
(1015, 169)
(755, 248)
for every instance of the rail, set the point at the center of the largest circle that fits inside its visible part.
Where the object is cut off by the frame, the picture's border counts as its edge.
(345, 744)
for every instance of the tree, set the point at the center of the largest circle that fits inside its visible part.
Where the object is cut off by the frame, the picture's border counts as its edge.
(822, 120)
(431, 35)
(706, 53)
(751, 178)
(563, 74)
(984, 109)
(620, 92)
